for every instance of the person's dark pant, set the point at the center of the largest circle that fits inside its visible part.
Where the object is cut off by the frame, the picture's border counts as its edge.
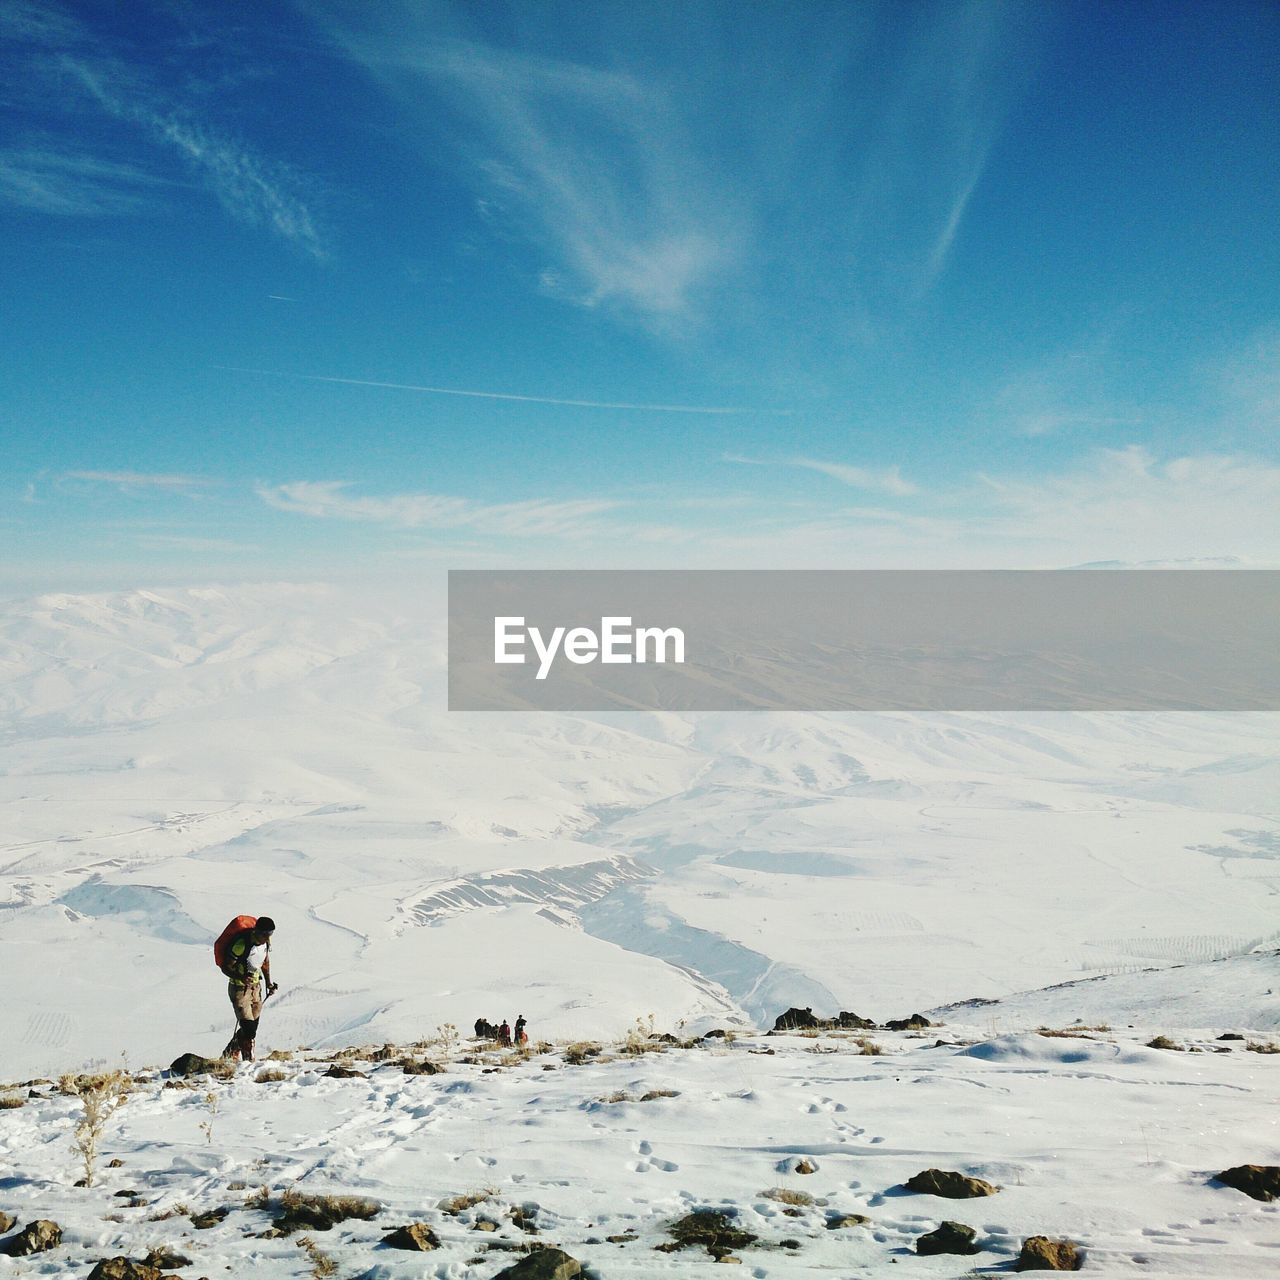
(246, 1000)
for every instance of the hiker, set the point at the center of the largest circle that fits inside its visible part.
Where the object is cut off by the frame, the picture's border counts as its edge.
(504, 1033)
(245, 957)
(521, 1035)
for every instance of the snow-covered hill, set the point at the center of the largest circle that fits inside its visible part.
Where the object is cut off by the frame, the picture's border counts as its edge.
(169, 759)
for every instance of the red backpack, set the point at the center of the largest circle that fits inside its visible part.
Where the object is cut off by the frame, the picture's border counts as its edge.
(238, 925)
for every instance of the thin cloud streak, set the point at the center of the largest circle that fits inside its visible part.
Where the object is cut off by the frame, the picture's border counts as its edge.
(135, 479)
(535, 517)
(884, 480)
(728, 410)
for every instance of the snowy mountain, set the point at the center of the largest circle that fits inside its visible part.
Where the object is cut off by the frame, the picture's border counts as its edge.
(173, 758)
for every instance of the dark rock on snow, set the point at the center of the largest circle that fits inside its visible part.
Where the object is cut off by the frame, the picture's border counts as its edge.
(1040, 1253)
(417, 1236)
(543, 1264)
(949, 1184)
(192, 1064)
(951, 1237)
(1261, 1181)
(36, 1237)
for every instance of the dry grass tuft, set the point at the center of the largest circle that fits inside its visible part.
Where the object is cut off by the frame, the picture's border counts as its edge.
(270, 1075)
(321, 1263)
(454, 1205)
(582, 1051)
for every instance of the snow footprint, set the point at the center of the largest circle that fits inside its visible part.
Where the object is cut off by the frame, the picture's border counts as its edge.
(649, 1161)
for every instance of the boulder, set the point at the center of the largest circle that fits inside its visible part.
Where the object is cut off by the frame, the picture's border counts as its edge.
(854, 1022)
(1040, 1253)
(796, 1020)
(917, 1022)
(416, 1237)
(36, 1237)
(543, 1264)
(338, 1072)
(949, 1184)
(839, 1220)
(414, 1067)
(951, 1237)
(7, 1222)
(167, 1259)
(1261, 1181)
(124, 1269)
(192, 1064)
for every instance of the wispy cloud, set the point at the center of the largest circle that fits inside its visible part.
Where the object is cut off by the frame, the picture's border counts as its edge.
(505, 395)
(72, 183)
(331, 499)
(596, 165)
(880, 479)
(1066, 390)
(252, 188)
(137, 480)
(182, 542)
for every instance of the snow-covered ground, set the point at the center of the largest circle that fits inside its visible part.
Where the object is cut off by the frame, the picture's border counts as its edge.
(1092, 1137)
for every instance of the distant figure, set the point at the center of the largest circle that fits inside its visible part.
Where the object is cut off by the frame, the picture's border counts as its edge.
(481, 1027)
(504, 1033)
(243, 953)
(521, 1036)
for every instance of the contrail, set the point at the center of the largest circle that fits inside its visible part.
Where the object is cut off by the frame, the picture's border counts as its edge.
(501, 395)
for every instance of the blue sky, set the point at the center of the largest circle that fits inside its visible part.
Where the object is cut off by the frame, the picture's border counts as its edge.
(330, 289)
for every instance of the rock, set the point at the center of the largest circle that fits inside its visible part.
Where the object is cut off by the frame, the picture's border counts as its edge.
(1231, 1035)
(166, 1259)
(192, 1064)
(805, 1166)
(839, 1220)
(949, 1184)
(728, 1257)
(417, 1237)
(7, 1222)
(795, 1020)
(36, 1237)
(664, 1037)
(917, 1022)
(1261, 1181)
(484, 1224)
(852, 1022)
(1039, 1253)
(716, 1033)
(413, 1067)
(338, 1072)
(543, 1264)
(124, 1269)
(951, 1237)
(117, 1163)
